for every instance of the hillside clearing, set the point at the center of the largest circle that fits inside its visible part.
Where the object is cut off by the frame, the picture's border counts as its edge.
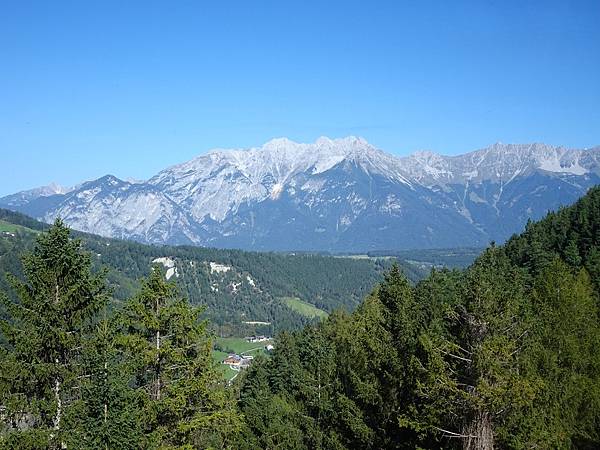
(304, 308)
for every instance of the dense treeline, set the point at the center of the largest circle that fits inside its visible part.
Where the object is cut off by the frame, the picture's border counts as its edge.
(571, 234)
(503, 355)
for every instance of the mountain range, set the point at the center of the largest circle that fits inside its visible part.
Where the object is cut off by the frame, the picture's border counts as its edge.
(338, 195)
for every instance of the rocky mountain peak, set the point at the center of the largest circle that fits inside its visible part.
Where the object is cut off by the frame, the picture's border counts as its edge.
(332, 194)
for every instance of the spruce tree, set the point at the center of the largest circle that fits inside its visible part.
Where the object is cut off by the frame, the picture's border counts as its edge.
(474, 369)
(44, 332)
(168, 354)
(106, 415)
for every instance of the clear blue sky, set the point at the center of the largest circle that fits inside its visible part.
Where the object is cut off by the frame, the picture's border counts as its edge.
(124, 87)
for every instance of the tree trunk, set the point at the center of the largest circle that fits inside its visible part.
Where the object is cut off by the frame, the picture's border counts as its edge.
(58, 414)
(56, 388)
(478, 433)
(106, 381)
(157, 365)
(157, 355)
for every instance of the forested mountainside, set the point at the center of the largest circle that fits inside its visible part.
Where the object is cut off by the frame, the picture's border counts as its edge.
(571, 234)
(338, 195)
(235, 286)
(505, 354)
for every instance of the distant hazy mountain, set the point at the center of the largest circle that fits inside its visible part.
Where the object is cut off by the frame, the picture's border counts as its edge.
(337, 195)
(24, 197)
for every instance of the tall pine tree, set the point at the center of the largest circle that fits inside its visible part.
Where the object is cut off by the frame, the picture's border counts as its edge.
(168, 349)
(44, 333)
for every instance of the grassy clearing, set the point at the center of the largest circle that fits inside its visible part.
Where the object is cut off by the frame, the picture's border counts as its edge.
(12, 228)
(9, 227)
(239, 345)
(235, 345)
(304, 308)
(218, 357)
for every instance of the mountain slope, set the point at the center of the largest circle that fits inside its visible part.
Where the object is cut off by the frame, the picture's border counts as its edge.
(235, 286)
(571, 234)
(332, 195)
(24, 197)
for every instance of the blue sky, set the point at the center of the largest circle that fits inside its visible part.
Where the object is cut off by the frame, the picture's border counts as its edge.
(128, 88)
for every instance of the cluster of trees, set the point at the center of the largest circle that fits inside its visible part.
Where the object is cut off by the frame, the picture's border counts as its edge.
(571, 234)
(503, 355)
(75, 375)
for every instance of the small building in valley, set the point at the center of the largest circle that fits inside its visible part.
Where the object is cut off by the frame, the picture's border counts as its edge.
(237, 362)
(257, 338)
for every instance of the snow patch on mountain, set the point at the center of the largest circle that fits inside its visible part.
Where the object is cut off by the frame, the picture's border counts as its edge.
(220, 182)
(556, 165)
(276, 191)
(330, 194)
(24, 197)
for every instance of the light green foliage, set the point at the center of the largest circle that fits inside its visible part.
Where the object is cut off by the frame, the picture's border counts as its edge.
(107, 414)
(571, 234)
(473, 367)
(71, 375)
(349, 377)
(564, 356)
(240, 345)
(304, 308)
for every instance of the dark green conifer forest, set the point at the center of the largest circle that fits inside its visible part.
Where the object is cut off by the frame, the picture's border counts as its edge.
(503, 354)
